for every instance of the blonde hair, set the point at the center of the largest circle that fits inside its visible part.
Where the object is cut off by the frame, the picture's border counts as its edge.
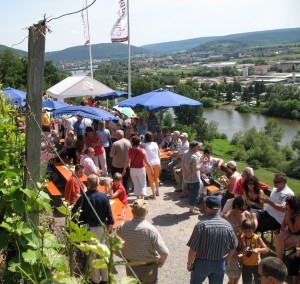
(117, 176)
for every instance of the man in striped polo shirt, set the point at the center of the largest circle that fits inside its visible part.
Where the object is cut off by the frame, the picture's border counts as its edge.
(212, 240)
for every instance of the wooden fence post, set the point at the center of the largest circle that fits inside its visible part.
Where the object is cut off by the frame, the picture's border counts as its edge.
(35, 77)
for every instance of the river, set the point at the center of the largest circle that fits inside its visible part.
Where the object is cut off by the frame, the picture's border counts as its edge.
(231, 121)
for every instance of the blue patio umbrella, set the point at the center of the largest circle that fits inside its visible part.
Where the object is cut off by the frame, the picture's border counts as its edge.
(53, 104)
(111, 96)
(159, 99)
(15, 96)
(85, 111)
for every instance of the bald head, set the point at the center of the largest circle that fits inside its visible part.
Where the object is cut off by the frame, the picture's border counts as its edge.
(92, 182)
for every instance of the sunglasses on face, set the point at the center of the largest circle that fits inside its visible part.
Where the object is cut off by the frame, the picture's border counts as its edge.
(277, 181)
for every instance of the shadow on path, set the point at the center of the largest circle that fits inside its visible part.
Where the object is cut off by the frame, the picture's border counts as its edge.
(169, 219)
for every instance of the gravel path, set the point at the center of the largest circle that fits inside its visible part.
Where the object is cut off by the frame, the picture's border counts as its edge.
(169, 214)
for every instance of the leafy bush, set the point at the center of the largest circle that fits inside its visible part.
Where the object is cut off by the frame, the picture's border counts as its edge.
(243, 108)
(207, 102)
(294, 169)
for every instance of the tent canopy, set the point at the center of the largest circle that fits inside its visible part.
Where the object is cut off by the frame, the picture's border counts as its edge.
(85, 111)
(77, 86)
(15, 96)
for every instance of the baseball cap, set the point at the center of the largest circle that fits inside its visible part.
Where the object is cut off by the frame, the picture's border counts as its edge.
(184, 134)
(176, 132)
(139, 208)
(231, 164)
(195, 144)
(212, 202)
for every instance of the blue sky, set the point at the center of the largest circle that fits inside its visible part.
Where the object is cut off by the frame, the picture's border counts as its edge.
(151, 21)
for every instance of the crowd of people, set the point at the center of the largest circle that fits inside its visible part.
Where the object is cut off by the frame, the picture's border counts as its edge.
(225, 240)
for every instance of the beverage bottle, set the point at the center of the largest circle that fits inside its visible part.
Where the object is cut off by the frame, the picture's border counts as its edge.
(123, 212)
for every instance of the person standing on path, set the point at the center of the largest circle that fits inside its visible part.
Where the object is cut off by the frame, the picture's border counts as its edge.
(212, 241)
(191, 175)
(137, 160)
(118, 153)
(153, 156)
(143, 243)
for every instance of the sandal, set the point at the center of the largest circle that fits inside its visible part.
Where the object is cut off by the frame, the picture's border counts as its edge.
(194, 212)
(157, 193)
(152, 196)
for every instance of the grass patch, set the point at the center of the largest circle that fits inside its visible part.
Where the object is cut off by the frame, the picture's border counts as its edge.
(224, 150)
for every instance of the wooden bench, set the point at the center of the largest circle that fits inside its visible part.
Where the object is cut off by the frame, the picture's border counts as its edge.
(54, 193)
(52, 189)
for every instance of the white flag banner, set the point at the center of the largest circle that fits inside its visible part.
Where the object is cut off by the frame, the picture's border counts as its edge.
(119, 32)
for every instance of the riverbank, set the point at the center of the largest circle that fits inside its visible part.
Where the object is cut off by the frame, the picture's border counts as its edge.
(231, 121)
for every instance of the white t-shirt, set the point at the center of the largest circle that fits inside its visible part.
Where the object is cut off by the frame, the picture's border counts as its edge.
(89, 165)
(152, 153)
(69, 122)
(279, 198)
(183, 147)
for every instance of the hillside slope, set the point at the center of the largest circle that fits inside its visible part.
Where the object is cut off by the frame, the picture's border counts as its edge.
(99, 51)
(244, 40)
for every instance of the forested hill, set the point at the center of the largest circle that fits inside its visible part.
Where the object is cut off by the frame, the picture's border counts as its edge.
(235, 42)
(229, 42)
(99, 51)
(16, 52)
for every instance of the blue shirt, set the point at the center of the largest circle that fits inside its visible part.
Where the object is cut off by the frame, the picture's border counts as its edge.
(213, 238)
(101, 204)
(79, 128)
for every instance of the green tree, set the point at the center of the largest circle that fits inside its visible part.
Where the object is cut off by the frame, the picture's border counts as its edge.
(192, 83)
(273, 130)
(207, 102)
(12, 70)
(51, 75)
(237, 87)
(212, 131)
(296, 142)
(168, 120)
(187, 114)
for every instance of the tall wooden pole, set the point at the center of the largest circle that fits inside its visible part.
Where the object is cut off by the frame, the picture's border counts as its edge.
(129, 54)
(35, 76)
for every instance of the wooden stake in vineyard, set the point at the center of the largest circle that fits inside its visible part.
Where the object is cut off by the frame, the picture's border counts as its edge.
(35, 77)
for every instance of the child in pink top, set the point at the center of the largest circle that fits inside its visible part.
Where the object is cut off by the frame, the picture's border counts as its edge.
(116, 190)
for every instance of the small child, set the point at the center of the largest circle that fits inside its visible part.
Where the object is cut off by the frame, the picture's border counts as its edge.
(250, 246)
(116, 190)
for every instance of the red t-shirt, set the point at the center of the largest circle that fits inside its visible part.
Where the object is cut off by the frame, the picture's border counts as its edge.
(136, 157)
(239, 190)
(122, 196)
(91, 141)
(72, 188)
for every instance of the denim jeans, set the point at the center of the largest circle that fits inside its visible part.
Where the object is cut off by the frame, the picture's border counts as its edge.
(194, 192)
(213, 269)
